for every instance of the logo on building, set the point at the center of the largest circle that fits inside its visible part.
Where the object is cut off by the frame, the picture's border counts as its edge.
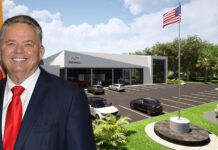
(74, 60)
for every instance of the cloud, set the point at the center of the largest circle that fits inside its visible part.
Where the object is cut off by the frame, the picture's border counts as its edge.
(199, 17)
(45, 15)
(137, 7)
(10, 8)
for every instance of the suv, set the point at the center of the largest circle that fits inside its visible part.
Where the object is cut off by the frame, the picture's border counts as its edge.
(117, 87)
(99, 108)
(95, 89)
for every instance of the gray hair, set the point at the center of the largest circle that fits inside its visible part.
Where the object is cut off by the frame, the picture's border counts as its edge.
(23, 19)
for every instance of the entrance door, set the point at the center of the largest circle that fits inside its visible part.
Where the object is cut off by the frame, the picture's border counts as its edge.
(158, 71)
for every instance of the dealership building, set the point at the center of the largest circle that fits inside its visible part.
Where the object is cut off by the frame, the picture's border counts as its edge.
(88, 68)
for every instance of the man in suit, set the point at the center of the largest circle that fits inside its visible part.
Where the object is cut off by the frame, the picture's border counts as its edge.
(39, 111)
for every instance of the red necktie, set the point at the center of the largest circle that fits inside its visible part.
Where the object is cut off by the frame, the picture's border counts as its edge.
(1, 75)
(13, 119)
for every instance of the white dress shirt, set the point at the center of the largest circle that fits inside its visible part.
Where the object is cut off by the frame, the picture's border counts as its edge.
(29, 85)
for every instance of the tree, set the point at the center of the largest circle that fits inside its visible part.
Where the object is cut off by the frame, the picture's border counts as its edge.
(208, 59)
(147, 51)
(190, 50)
(110, 133)
(171, 51)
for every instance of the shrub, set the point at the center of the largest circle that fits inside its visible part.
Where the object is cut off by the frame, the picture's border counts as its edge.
(110, 133)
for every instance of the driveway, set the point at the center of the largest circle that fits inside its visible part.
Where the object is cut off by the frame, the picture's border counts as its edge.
(191, 95)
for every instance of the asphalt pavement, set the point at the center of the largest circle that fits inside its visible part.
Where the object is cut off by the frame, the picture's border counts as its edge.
(168, 94)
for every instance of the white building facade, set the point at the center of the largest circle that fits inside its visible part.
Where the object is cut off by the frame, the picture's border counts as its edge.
(88, 68)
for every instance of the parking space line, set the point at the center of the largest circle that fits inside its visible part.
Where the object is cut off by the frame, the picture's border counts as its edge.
(140, 88)
(134, 111)
(176, 101)
(171, 106)
(188, 100)
(89, 94)
(110, 91)
(203, 95)
(199, 97)
(206, 92)
(134, 89)
(165, 112)
(211, 93)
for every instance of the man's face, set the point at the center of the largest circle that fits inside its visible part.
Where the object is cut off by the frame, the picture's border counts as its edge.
(20, 51)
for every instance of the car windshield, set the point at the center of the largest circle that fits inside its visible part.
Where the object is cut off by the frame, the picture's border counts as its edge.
(153, 102)
(100, 104)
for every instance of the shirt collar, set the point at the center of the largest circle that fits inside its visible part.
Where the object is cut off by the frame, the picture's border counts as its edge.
(27, 83)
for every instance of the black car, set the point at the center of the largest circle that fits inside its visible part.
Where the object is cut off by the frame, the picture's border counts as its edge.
(149, 105)
(96, 89)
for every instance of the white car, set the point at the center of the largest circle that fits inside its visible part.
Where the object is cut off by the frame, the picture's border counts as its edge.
(117, 87)
(216, 110)
(99, 108)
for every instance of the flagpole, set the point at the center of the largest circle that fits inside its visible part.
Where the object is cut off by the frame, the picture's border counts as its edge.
(179, 112)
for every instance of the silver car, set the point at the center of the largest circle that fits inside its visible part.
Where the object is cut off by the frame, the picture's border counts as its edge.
(96, 89)
(117, 87)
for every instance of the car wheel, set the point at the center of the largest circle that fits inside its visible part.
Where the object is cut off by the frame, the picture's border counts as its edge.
(132, 106)
(97, 116)
(149, 112)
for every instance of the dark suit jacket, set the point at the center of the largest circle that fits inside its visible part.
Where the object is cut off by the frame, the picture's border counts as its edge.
(57, 117)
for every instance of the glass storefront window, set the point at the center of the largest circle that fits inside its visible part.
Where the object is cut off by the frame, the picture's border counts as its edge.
(158, 71)
(103, 76)
(82, 77)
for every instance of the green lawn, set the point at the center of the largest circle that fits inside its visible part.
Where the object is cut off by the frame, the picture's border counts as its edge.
(138, 140)
(202, 82)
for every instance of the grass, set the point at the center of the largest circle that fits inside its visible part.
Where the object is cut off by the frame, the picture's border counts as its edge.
(202, 82)
(138, 140)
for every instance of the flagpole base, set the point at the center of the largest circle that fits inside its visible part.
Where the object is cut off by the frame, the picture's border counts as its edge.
(179, 124)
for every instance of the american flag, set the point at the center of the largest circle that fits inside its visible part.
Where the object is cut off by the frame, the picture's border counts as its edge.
(172, 16)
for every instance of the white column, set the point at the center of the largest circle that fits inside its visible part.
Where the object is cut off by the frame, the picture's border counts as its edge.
(91, 76)
(112, 75)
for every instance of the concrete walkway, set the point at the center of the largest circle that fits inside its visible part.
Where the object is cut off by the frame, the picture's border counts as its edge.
(211, 116)
(149, 129)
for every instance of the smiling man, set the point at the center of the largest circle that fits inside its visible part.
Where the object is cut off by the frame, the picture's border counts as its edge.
(39, 111)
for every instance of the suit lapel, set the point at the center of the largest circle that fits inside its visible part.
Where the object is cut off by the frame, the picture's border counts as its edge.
(2, 89)
(33, 109)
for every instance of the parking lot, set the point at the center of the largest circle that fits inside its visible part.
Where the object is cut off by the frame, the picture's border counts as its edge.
(191, 95)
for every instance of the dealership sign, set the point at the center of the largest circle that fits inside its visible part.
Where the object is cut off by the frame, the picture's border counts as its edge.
(74, 60)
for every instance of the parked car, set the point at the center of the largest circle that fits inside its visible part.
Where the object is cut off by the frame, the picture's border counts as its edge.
(96, 89)
(99, 108)
(149, 105)
(117, 87)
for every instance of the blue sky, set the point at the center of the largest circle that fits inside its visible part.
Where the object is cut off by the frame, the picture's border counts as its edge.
(114, 26)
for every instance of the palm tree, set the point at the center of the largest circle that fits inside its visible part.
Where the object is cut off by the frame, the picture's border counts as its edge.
(207, 59)
(110, 133)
